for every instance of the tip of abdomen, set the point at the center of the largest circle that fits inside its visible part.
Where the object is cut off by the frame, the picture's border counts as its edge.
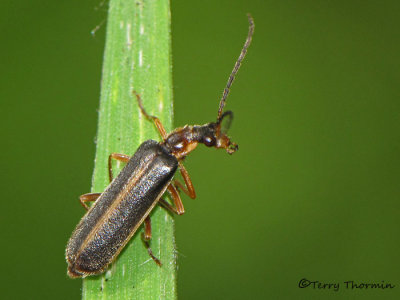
(71, 272)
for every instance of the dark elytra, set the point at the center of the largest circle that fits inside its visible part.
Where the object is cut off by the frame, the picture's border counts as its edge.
(115, 216)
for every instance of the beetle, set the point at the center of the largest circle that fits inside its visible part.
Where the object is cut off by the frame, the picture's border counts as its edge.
(126, 203)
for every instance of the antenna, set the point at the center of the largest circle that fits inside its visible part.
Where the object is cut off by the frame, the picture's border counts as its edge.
(236, 67)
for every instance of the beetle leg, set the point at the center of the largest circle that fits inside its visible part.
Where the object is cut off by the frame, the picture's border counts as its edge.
(156, 120)
(189, 189)
(121, 157)
(167, 206)
(88, 198)
(146, 236)
(177, 208)
(147, 229)
(93, 196)
(160, 127)
(180, 210)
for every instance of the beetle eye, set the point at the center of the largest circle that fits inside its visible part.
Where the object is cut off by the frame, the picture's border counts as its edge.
(178, 146)
(209, 141)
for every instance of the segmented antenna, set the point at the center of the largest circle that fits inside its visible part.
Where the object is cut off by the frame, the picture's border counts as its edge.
(236, 67)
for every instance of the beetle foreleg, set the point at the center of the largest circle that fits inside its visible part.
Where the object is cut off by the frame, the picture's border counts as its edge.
(146, 236)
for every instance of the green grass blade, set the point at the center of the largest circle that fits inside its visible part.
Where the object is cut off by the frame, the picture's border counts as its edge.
(137, 58)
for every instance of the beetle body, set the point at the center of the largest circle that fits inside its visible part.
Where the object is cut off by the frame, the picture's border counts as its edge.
(120, 210)
(129, 199)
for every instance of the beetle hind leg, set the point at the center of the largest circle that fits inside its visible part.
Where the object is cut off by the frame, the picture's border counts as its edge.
(146, 237)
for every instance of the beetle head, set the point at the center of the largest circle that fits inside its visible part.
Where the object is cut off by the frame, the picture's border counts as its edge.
(214, 134)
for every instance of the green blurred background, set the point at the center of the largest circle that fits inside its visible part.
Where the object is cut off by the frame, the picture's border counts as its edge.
(312, 193)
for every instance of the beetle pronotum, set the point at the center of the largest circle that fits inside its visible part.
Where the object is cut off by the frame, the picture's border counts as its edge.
(128, 200)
